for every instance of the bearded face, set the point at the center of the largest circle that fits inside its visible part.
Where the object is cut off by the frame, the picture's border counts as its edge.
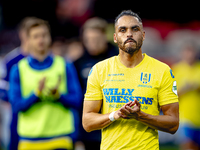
(129, 34)
(130, 46)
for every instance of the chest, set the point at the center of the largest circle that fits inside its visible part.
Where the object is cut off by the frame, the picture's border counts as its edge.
(130, 82)
(30, 79)
(120, 87)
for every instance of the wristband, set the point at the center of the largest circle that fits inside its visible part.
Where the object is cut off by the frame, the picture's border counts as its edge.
(111, 116)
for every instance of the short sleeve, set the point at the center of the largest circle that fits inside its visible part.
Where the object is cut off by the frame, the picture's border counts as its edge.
(93, 91)
(168, 90)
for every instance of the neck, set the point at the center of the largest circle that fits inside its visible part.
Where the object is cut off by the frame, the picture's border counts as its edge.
(24, 48)
(130, 61)
(40, 56)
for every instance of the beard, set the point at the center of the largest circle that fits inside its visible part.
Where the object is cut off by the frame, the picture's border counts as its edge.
(131, 49)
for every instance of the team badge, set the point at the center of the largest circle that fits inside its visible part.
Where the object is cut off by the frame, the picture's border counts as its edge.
(145, 77)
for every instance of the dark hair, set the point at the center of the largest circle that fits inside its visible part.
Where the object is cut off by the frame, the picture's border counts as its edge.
(128, 13)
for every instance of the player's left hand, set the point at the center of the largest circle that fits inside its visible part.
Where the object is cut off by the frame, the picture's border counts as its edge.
(131, 110)
(54, 91)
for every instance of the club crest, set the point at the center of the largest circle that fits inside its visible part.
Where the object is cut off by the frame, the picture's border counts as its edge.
(145, 77)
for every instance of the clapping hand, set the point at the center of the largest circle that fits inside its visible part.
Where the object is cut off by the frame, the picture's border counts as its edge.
(41, 86)
(130, 110)
(54, 91)
(47, 94)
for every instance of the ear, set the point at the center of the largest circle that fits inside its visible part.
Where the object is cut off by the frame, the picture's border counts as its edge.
(115, 38)
(143, 35)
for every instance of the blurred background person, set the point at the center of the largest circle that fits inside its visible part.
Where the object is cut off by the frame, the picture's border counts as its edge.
(44, 91)
(58, 46)
(75, 49)
(96, 48)
(9, 60)
(187, 72)
(71, 49)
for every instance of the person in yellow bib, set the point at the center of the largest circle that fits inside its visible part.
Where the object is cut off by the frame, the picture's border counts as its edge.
(130, 90)
(44, 91)
(187, 72)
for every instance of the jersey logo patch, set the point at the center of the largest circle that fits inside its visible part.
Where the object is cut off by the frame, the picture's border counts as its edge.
(145, 77)
(174, 88)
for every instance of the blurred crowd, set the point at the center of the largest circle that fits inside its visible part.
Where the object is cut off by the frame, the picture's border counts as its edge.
(179, 48)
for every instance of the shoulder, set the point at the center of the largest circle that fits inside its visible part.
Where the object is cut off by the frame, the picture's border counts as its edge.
(13, 56)
(160, 69)
(9, 60)
(99, 69)
(157, 64)
(105, 63)
(21, 62)
(69, 65)
(14, 70)
(58, 59)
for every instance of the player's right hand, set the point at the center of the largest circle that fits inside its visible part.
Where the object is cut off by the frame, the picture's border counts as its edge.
(41, 84)
(40, 87)
(119, 114)
(130, 110)
(54, 91)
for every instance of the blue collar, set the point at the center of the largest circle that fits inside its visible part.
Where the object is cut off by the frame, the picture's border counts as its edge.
(35, 64)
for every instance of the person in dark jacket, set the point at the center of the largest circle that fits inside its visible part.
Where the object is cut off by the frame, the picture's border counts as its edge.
(97, 48)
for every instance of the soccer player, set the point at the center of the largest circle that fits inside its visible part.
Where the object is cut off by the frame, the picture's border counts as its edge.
(129, 90)
(43, 91)
(187, 72)
(10, 60)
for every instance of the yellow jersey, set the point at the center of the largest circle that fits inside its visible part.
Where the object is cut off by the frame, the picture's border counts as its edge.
(151, 82)
(189, 76)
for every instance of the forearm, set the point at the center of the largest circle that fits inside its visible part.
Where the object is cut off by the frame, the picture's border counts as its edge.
(18, 102)
(21, 104)
(164, 123)
(95, 121)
